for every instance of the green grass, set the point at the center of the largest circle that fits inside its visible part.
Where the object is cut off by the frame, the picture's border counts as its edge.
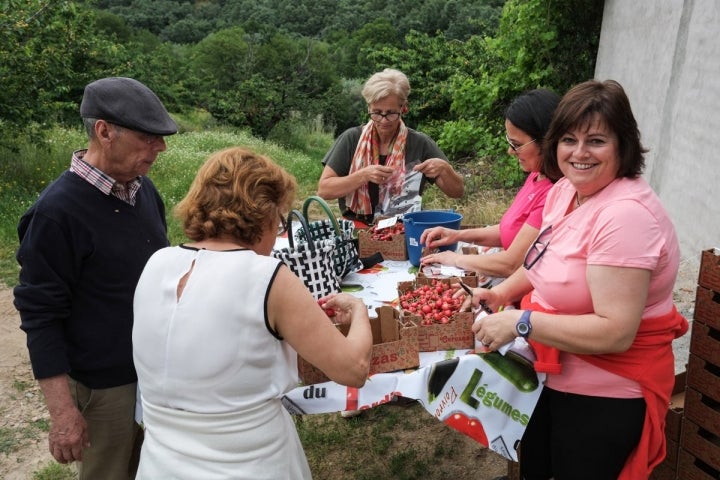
(55, 471)
(7, 440)
(405, 443)
(20, 385)
(30, 430)
(23, 175)
(42, 424)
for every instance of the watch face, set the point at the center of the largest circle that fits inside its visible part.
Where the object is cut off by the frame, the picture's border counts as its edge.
(523, 328)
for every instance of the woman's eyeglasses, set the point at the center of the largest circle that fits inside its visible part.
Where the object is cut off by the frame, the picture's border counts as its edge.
(516, 148)
(389, 116)
(537, 249)
(282, 226)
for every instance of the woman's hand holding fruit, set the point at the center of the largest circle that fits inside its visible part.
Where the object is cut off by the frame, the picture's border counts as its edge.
(340, 307)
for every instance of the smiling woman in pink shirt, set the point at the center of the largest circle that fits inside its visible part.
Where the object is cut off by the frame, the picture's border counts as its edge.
(597, 300)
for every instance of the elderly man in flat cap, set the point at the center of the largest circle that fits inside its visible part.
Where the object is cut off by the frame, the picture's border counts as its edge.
(83, 245)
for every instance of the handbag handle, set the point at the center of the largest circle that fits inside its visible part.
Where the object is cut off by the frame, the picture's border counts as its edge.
(326, 207)
(305, 227)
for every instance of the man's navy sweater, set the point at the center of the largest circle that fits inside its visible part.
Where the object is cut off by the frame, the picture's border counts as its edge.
(81, 254)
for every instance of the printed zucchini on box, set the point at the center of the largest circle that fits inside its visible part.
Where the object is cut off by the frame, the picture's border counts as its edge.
(395, 346)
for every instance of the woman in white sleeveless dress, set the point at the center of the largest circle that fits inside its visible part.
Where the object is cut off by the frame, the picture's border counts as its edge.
(218, 322)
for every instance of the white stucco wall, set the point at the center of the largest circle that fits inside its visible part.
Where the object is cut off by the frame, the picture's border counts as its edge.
(666, 54)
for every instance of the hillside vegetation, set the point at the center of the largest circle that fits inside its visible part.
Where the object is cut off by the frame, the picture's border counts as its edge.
(266, 65)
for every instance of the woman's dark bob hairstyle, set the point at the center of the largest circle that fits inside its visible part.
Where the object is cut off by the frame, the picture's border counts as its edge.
(582, 107)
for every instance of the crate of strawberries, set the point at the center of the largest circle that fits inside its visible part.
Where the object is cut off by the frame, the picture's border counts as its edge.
(429, 303)
(387, 236)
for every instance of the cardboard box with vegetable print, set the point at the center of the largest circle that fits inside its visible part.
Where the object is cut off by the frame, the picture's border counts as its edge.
(428, 303)
(395, 346)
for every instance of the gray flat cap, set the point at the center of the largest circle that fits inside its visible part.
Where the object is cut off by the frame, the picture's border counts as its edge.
(128, 103)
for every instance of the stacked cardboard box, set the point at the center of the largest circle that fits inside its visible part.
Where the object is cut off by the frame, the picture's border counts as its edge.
(699, 451)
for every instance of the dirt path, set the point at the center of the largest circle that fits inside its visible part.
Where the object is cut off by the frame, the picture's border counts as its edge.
(23, 443)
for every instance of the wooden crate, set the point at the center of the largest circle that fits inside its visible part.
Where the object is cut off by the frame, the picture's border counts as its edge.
(663, 472)
(707, 307)
(701, 444)
(456, 334)
(671, 454)
(692, 468)
(705, 342)
(703, 376)
(513, 471)
(709, 276)
(703, 410)
(469, 278)
(513, 468)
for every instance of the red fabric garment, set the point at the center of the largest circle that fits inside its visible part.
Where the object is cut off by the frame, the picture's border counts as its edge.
(547, 358)
(650, 362)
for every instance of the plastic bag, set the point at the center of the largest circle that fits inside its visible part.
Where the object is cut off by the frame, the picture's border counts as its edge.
(400, 194)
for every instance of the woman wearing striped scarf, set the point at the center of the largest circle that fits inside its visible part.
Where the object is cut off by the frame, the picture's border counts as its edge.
(369, 158)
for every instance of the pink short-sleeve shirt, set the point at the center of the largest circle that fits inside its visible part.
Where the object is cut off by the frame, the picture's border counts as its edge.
(623, 225)
(527, 207)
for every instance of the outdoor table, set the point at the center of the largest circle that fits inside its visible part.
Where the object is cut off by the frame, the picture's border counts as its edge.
(470, 393)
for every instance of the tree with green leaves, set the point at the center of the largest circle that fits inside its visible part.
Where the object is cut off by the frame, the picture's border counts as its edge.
(352, 53)
(265, 61)
(256, 81)
(540, 43)
(48, 53)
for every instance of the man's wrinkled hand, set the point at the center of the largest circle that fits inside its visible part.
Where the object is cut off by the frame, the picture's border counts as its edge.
(68, 437)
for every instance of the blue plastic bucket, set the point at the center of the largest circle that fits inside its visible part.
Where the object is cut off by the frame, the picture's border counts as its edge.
(417, 222)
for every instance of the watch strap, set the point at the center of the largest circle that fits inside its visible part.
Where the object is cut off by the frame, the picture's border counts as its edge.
(523, 325)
